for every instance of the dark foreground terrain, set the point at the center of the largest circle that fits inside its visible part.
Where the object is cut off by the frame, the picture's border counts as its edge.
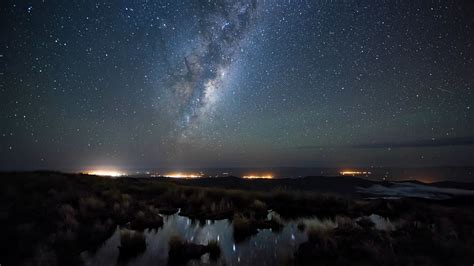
(51, 218)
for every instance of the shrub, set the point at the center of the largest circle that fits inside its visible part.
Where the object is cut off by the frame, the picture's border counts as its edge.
(214, 249)
(89, 205)
(68, 216)
(44, 255)
(146, 219)
(243, 228)
(180, 252)
(132, 243)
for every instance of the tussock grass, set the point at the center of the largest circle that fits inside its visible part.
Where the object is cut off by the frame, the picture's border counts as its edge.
(132, 243)
(180, 251)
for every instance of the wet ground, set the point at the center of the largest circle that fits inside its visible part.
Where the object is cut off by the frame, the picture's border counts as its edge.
(264, 248)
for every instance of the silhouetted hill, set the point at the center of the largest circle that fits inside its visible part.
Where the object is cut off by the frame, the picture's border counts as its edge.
(453, 184)
(334, 184)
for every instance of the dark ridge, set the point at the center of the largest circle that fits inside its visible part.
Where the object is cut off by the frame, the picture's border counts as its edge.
(334, 184)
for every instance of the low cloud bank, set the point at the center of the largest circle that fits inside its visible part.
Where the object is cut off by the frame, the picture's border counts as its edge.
(399, 190)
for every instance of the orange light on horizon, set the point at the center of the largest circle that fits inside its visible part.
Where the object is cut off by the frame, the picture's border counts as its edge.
(355, 173)
(182, 175)
(257, 176)
(112, 173)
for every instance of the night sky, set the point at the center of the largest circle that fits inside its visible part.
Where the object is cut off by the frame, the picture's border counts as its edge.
(220, 83)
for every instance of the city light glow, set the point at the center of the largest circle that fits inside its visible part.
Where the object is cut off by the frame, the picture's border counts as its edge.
(257, 176)
(113, 173)
(354, 173)
(182, 175)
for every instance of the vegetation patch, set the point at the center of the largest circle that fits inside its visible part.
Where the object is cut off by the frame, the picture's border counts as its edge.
(132, 243)
(180, 252)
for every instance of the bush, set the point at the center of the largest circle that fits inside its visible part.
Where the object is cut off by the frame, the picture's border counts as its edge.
(214, 249)
(90, 205)
(243, 228)
(68, 216)
(132, 243)
(180, 252)
(146, 219)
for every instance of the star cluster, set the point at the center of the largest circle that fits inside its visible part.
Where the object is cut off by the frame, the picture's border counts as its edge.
(236, 83)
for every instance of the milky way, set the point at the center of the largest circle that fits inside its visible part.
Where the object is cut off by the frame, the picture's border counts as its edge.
(222, 27)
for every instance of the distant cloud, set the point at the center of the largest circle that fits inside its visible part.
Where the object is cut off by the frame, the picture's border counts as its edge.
(440, 142)
(398, 190)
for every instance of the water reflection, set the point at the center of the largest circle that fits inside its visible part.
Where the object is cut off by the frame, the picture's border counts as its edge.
(264, 248)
